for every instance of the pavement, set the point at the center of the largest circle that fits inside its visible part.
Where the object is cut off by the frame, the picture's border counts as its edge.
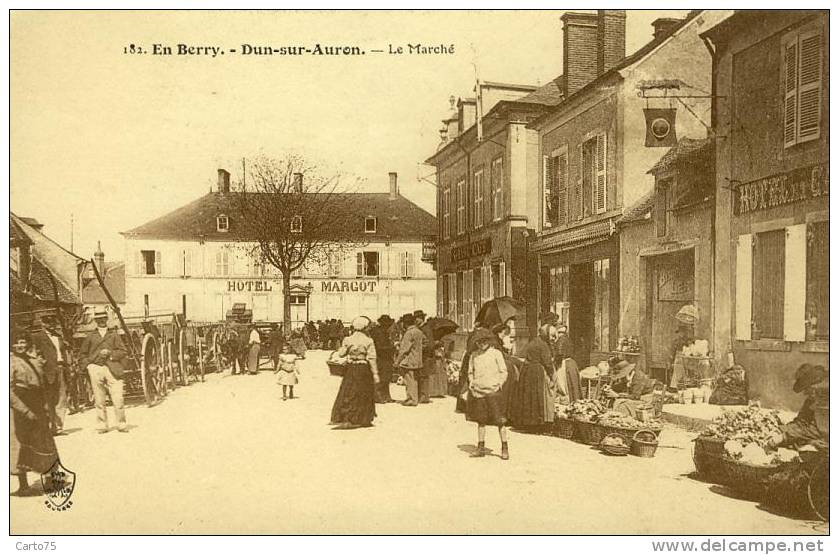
(229, 456)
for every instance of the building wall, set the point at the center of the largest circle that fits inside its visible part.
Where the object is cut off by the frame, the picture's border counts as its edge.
(209, 295)
(749, 73)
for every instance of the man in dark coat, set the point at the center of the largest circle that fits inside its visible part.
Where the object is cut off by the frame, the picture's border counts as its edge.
(409, 359)
(629, 388)
(384, 357)
(49, 341)
(102, 353)
(427, 357)
(803, 429)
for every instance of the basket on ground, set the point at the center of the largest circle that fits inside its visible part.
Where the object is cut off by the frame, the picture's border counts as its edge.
(627, 433)
(614, 444)
(564, 428)
(588, 432)
(746, 478)
(644, 443)
(707, 457)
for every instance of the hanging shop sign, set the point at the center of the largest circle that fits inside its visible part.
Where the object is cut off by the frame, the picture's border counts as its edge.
(354, 286)
(783, 188)
(249, 285)
(475, 248)
(661, 127)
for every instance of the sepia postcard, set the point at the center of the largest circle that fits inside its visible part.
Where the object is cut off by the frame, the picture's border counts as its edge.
(428, 272)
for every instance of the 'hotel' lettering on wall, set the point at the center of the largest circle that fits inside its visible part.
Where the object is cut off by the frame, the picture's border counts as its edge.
(248, 285)
(784, 188)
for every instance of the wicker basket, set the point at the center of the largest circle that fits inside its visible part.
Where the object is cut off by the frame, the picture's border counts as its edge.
(747, 478)
(564, 428)
(587, 432)
(644, 444)
(335, 368)
(627, 433)
(616, 450)
(707, 457)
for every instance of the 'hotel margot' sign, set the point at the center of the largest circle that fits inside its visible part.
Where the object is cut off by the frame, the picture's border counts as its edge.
(783, 188)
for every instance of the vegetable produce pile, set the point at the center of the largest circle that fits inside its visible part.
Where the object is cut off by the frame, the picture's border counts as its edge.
(452, 371)
(749, 425)
(585, 409)
(618, 420)
(754, 454)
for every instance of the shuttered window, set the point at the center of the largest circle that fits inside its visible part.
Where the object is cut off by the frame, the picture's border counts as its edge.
(818, 281)
(459, 300)
(478, 192)
(502, 269)
(549, 213)
(187, 262)
(407, 264)
(149, 263)
(803, 60)
(452, 293)
(223, 262)
(461, 207)
(497, 186)
(556, 188)
(447, 194)
(599, 195)
(768, 284)
(743, 288)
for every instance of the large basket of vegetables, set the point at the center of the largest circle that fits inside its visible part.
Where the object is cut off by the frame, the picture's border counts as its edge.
(626, 426)
(584, 413)
(563, 426)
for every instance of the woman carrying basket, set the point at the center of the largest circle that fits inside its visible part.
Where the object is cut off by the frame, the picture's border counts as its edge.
(355, 405)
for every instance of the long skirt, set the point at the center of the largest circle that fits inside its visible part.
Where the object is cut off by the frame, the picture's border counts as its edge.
(531, 400)
(462, 384)
(438, 379)
(253, 358)
(31, 446)
(355, 403)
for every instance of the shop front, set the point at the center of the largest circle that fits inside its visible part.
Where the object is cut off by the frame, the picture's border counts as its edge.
(579, 282)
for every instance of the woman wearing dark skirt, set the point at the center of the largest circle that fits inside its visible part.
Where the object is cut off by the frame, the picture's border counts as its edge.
(485, 399)
(531, 402)
(355, 405)
(463, 379)
(31, 446)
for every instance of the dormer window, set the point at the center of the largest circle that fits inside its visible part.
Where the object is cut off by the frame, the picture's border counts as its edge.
(222, 223)
(297, 224)
(370, 224)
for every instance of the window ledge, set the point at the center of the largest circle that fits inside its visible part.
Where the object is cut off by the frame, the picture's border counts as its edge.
(766, 345)
(815, 347)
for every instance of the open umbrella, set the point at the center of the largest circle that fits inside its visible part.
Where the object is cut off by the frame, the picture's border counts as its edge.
(439, 327)
(498, 311)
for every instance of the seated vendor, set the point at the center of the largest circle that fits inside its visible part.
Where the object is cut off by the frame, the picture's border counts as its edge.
(802, 431)
(630, 388)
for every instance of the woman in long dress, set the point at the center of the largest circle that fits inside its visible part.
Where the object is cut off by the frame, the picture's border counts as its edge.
(254, 344)
(532, 400)
(355, 405)
(31, 446)
(438, 383)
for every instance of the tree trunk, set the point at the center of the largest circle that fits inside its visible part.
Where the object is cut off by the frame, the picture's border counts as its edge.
(286, 301)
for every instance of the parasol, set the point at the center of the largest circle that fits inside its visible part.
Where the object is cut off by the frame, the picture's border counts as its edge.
(498, 311)
(439, 327)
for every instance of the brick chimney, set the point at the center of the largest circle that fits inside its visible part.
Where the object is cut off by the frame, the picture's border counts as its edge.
(99, 259)
(223, 181)
(394, 187)
(611, 39)
(663, 25)
(467, 109)
(579, 48)
(297, 183)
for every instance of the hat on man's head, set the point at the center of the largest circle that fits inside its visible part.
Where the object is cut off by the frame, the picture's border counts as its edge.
(808, 375)
(622, 370)
(483, 334)
(99, 313)
(385, 319)
(360, 323)
(419, 314)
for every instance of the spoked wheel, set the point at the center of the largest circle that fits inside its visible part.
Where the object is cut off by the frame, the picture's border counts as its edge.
(183, 367)
(201, 358)
(149, 369)
(818, 491)
(170, 366)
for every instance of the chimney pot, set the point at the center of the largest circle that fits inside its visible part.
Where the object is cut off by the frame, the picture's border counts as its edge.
(223, 181)
(99, 259)
(297, 182)
(611, 39)
(579, 50)
(394, 186)
(663, 25)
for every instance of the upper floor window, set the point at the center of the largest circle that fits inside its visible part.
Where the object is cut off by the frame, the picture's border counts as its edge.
(297, 224)
(496, 188)
(186, 262)
(593, 178)
(223, 256)
(447, 193)
(556, 188)
(367, 264)
(222, 223)
(149, 263)
(333, 264)
(478, 188)
(407, 264)
(370, 224)
(802, 75)
(461, 207)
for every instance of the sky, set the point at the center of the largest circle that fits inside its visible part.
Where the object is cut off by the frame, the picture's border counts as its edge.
(112, 140)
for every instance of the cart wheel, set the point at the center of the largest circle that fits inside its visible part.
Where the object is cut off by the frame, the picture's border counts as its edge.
(818, 491)
(201, 358)
(160, 377)
(182, 365)
(148, 370)
(167, 360)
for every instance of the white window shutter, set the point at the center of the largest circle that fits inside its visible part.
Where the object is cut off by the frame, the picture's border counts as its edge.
(743, 283)
(809, 85)
(600, 185)
(546, 191)
(503, 271)
(790, 91)
(412, 264)
(562, 188)
(579, 188)
(795, 282)
(359, 264)
(138, 263)
(158, 263)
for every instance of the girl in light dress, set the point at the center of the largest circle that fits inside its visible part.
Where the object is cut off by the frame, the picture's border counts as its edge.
(288, 372)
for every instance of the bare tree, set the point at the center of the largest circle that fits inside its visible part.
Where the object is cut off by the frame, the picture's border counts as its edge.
(295, 215)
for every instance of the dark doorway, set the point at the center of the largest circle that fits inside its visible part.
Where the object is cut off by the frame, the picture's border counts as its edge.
(581, 314)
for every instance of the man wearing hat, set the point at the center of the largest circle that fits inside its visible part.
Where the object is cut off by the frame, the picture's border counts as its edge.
(48, 339)
(384, 357)
(629, 388)
(409, 359)
(102, 354)
(427, 357)
(803, 430)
